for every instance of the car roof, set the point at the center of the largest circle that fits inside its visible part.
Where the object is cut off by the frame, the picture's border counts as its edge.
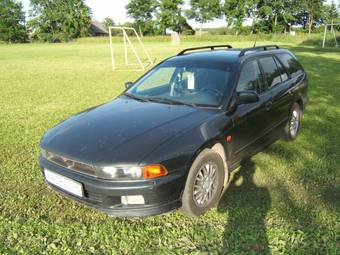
(227, 56)
(222, 56)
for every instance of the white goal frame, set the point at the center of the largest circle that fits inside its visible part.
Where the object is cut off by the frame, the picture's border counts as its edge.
(127, 42)
(332, 31)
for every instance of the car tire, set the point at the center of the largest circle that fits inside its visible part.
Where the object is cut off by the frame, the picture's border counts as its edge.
(293, 125)
(204, 183)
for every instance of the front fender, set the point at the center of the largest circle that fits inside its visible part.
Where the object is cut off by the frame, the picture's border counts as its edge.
(180, 151)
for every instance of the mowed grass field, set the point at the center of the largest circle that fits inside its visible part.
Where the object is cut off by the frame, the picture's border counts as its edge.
(285, 200)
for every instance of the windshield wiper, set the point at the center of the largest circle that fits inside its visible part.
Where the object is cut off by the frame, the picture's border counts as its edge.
(136, 97)
(159, 100)
(170, 101)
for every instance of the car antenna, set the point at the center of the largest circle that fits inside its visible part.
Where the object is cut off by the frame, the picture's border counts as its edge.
(255, 40)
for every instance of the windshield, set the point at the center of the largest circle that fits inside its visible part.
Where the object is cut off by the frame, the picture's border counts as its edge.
(188, 83)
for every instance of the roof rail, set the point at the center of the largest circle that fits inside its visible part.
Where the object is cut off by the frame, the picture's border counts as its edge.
(263, 47)
(205, 47)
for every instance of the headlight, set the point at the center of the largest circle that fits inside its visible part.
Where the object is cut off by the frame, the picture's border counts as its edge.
(131, 172)
(112, 172)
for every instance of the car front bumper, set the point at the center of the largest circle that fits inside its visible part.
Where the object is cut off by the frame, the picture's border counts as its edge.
(160, 195)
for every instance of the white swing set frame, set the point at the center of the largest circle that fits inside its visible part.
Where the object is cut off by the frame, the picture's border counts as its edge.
(127, 42)
(332, 31)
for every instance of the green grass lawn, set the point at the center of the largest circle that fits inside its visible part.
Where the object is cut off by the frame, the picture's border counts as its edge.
(285, 200)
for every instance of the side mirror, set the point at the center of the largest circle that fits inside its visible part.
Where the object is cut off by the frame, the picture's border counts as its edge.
(246, 97)
(128, 84)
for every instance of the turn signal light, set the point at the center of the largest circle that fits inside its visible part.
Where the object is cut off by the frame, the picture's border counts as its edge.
(154, 171)
(228, 138)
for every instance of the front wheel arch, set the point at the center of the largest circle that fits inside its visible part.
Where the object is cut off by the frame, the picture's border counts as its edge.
(190, 205)
(220, 146)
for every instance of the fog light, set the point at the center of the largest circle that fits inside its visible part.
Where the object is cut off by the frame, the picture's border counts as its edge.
(133, 200)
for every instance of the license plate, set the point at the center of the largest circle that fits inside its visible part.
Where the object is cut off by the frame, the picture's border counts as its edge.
(64, 183)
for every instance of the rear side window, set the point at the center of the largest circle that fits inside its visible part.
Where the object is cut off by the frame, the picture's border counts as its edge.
(272, 74)
(282, 70)
(250, 77)
(291, 64)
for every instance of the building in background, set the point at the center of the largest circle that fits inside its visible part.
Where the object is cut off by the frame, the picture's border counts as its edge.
(97, 29)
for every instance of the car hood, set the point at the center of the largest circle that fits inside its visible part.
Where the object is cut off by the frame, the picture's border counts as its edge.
(122, 131)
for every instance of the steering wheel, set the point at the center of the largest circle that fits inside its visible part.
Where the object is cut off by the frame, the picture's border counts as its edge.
(212, 91)
(179, 89)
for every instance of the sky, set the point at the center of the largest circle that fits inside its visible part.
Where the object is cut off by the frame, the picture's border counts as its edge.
(115, 9)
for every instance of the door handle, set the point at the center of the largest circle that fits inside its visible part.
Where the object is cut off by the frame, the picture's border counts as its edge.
(269, 105)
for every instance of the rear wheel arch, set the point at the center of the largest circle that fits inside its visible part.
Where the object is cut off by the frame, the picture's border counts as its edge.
(296, 100)
(290, 126)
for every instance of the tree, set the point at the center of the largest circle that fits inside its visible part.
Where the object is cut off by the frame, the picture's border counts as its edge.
(253, 13)
(54, 20)
(203, 11)
(311, 12)
(290, 9)
(108, 22)
(141, 11)
(12, 22)
(331, 12)
(276, 15)
(236, 11)
(270, 11)
(170, 15)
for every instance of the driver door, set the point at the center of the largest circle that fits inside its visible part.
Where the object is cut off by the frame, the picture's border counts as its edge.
(250, 120)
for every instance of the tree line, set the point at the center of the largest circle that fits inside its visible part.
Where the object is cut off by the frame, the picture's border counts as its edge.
(59, 20)
(267, 16)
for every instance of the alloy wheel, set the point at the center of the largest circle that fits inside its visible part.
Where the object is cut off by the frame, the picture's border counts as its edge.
(205, 184)
(294, 123)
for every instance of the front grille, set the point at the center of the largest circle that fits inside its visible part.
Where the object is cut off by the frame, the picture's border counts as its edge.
(70, 163)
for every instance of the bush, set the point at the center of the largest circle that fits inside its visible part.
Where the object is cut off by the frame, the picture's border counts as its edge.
(245, 30)
(49, 37)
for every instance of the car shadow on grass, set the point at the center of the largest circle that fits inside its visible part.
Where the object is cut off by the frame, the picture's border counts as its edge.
(295, 195)
(247, 205)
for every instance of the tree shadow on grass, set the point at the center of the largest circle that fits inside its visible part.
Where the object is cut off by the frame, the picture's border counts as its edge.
(247, 205)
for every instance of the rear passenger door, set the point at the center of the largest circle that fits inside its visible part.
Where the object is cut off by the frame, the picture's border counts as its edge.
(277, 81)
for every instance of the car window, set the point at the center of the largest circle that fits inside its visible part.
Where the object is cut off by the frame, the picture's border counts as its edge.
(291, 64)
(271, 72)
(282, 70)
(200, 83)
(160, 77)
(250, 77)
